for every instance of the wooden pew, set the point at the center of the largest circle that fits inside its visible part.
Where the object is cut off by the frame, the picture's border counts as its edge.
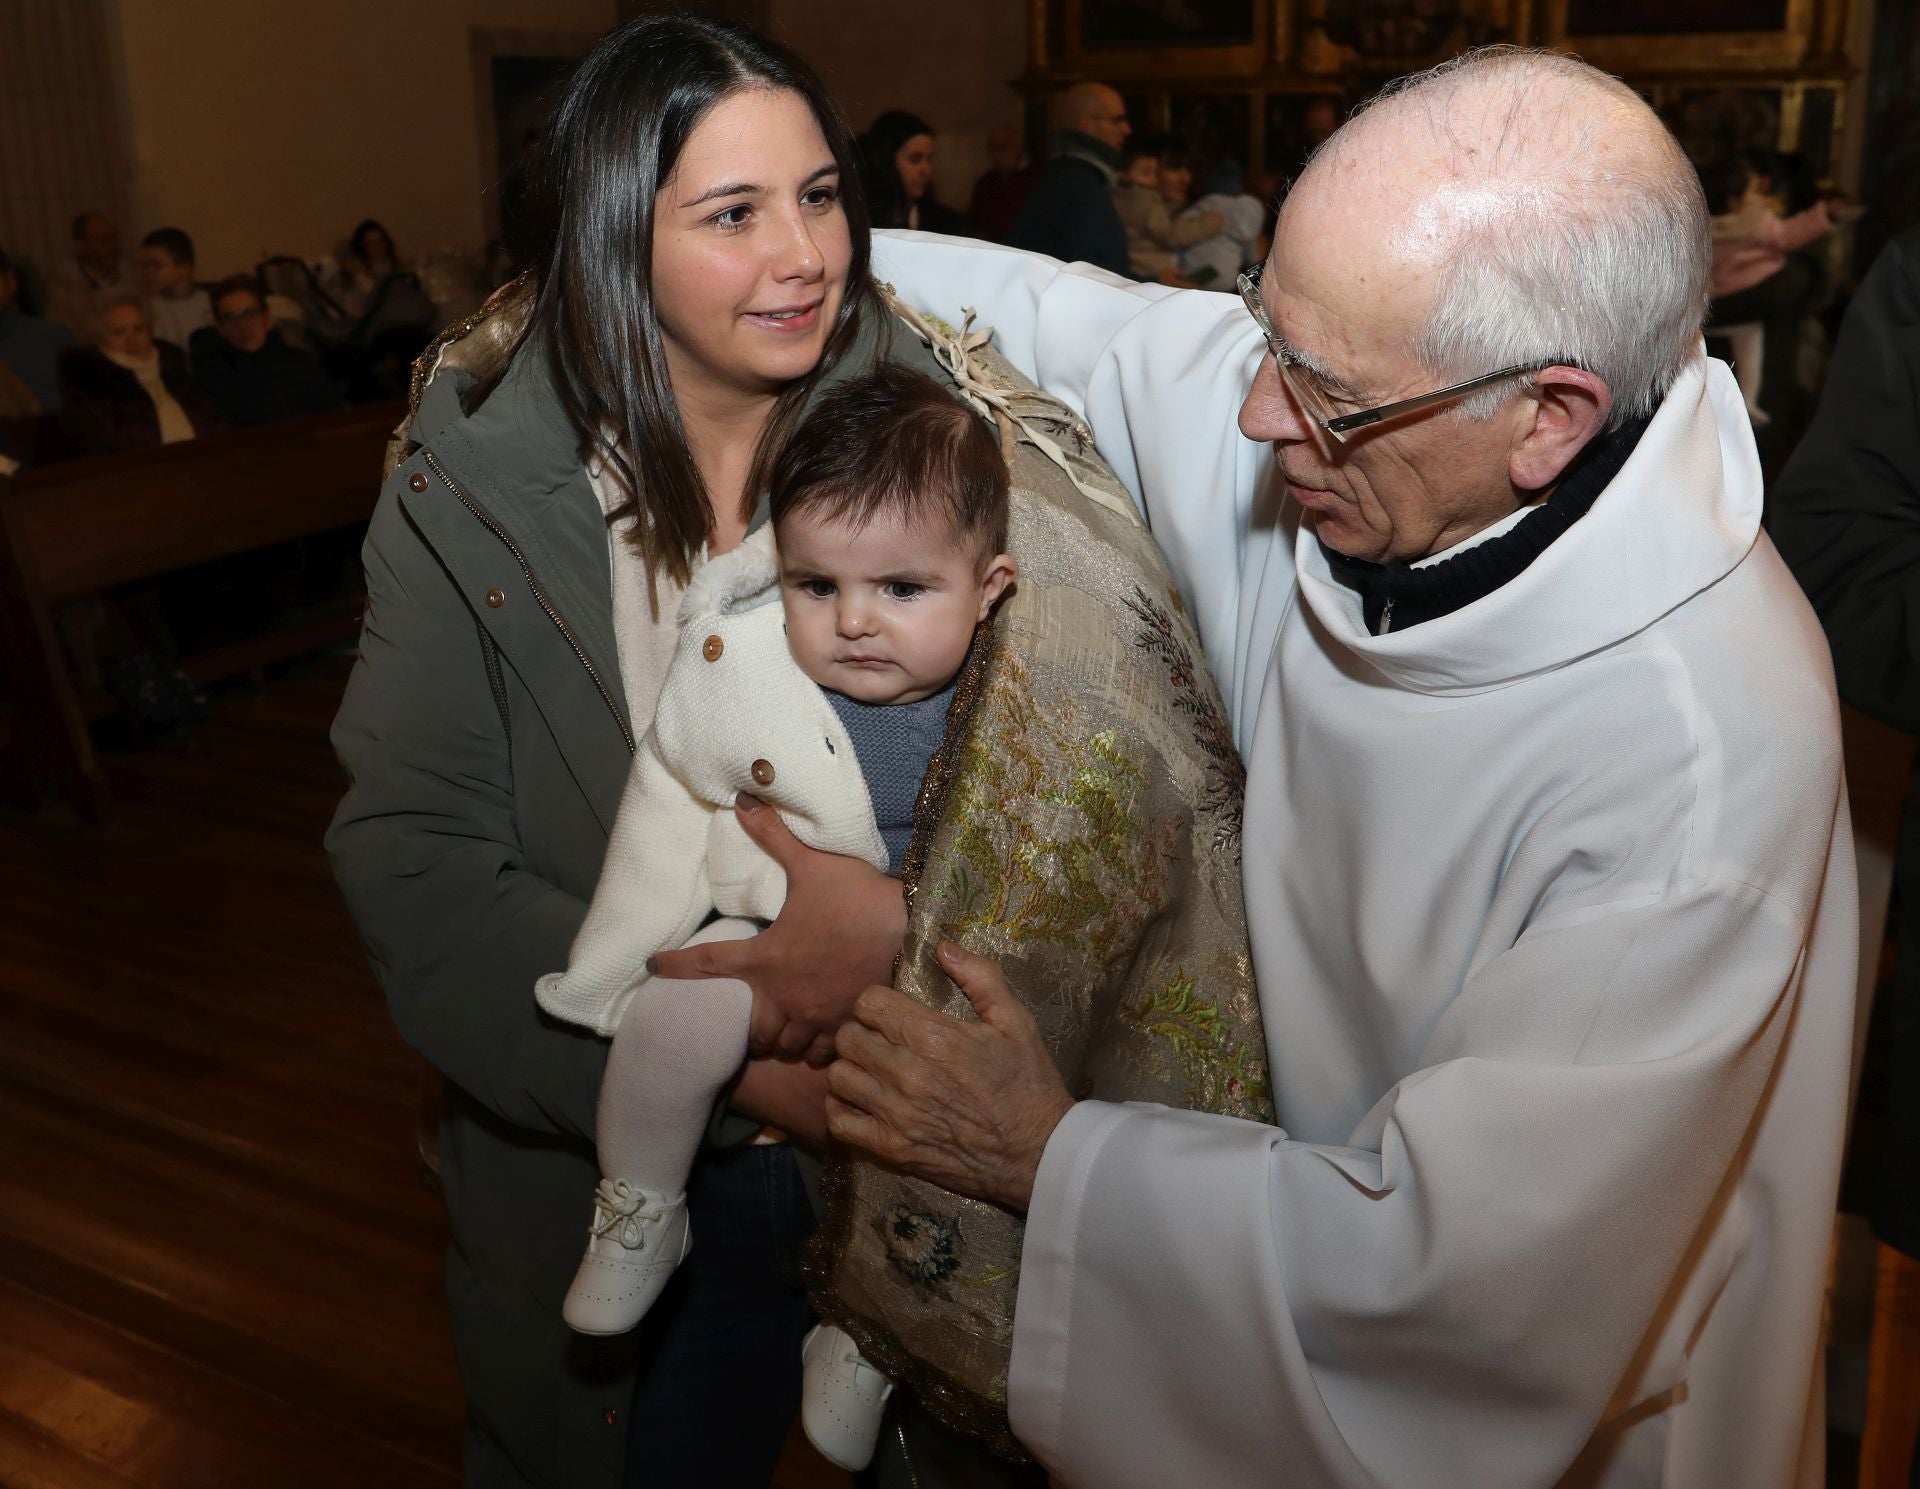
(68, 531)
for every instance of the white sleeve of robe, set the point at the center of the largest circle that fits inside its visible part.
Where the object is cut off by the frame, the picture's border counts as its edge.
(1459, 1303)
(1159, 374)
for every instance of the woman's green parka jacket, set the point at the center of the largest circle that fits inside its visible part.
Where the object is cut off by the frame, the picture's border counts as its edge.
(486, 737)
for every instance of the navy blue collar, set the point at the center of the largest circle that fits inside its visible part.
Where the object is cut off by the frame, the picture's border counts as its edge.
(1405, 596)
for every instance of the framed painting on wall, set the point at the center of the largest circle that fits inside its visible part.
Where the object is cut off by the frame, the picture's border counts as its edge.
(1215, 126)
(1160, 23)
(1673, 17)
(1668, 37)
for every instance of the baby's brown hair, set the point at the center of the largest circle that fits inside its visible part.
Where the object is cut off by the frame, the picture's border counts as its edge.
(894, 439)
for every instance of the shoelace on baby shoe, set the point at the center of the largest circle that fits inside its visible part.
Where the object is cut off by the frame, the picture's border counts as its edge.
(617, 1215)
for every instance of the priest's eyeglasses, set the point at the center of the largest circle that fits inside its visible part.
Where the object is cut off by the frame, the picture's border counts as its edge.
(1339, 426)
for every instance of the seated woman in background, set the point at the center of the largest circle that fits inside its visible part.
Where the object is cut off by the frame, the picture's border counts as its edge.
(126, 391)
(393, 314)
(896, 162)
(369, 259)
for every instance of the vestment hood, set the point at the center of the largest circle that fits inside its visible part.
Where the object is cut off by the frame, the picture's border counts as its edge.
(1683, 511)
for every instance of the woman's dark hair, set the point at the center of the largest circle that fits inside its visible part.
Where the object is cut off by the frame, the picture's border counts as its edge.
(886, 197)
(1725, 181)
(357, 240)
(1171, 149)
(615, 139)
(237, 284)
(895, 440)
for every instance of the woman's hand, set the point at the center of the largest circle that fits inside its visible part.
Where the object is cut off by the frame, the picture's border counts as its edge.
(787, 1095)
(839, 931)
(969, 1107)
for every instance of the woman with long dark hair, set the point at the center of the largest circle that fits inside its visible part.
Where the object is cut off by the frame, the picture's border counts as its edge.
(573, 457)
(896, 157)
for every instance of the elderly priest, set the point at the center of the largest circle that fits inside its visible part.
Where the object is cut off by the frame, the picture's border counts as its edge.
(1547, 864)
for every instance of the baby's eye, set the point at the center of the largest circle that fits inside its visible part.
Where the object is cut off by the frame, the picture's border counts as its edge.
(901, 589)
(820, 589)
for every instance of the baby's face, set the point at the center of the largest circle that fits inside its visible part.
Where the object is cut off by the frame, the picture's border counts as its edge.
(883, 613)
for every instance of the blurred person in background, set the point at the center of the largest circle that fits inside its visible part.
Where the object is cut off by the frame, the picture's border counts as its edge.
(1146, 203)
(1846, 516)
(30, 347)
(177, 303)
(896, 158)
(1759, 274)
(369, 260)
(246, 368)
(1002, 187)
(1069, 214)
(126, 391)
(1216, 262)
(94, 265)
(393, 315)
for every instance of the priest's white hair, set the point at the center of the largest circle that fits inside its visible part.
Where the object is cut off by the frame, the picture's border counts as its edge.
(1575, 228)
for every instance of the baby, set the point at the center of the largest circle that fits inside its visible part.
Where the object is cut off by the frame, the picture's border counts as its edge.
(890, 518)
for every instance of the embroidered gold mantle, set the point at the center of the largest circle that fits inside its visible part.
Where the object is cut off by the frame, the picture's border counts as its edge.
(1081, 825)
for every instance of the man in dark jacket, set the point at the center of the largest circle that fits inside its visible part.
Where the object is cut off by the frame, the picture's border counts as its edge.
(1069, 214)
(30, 347)
(241, 363)
(1847, 519)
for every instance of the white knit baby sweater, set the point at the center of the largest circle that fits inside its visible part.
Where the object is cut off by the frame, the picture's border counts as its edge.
(735, 714)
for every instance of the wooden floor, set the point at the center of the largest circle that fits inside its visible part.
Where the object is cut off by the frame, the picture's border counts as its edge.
(218, 1266)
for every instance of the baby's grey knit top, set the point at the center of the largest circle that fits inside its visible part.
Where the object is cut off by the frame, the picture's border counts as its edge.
(894, 742)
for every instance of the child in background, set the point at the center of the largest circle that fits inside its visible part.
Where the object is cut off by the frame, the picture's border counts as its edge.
(1216, 262)
(1150, 170)
(818, 679)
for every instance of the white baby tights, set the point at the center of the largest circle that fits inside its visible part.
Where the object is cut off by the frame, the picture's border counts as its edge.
(677, 1045)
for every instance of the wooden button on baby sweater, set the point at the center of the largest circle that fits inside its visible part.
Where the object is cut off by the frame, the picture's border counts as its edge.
(762, 773)
(417, 482)
(496, 598)
(712, 647)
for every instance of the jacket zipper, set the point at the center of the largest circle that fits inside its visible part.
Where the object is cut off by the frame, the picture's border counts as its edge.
(487, 521)
(1386, 620)
(906, 1457)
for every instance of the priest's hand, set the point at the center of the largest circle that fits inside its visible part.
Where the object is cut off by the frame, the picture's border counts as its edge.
(839, 931)
(966, 1106)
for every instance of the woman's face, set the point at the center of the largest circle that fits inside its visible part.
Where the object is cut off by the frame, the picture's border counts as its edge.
(750, 249)
(375, 246)
(1175, 181)
(913, 162)
(123, 329)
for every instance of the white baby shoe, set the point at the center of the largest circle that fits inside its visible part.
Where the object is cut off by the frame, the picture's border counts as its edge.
(637, 1238)
(842, 1398)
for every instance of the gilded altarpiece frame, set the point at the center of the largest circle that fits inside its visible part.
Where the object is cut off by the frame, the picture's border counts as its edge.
(1289, 51)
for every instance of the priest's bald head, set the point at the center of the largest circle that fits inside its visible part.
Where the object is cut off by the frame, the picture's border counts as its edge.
(1513, 231)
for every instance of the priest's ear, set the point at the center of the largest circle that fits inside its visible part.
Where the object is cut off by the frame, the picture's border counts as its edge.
(1554, 421)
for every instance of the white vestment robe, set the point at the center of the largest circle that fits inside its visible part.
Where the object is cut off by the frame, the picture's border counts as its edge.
(1553, 921)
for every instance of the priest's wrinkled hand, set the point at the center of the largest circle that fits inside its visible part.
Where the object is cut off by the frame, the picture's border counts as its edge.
(967, 1106)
